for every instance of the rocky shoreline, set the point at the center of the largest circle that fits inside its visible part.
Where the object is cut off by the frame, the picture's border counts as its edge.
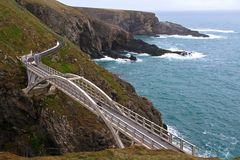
(98, 34)
(33, 125)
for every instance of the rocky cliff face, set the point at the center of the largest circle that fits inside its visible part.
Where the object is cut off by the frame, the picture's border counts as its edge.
(140, 23)
(170, 28)
(52, 124)
(92, 36)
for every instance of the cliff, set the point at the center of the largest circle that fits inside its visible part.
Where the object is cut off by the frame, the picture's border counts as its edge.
(53, 123)
(139, 23)
(93, 36)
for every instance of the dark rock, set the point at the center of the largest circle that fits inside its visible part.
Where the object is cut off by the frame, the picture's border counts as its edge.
(99, 38)
(165, 126)
(170, 28)
(114, 95)
(133, 58)
(91, 35)
(140, 46)
(40, 125)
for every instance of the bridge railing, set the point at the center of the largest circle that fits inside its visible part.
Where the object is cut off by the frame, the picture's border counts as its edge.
(159, 131)
(49, 69)
(83, 83)
(132, 132)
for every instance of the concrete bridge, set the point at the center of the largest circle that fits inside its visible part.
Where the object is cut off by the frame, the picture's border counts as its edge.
(117, 117)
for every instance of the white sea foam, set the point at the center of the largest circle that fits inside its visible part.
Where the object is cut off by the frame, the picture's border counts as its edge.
(139, 60)
(143, 54)
(139, 54)
(211, 36)
(193, 55)
(174, 131)
(174, 49)
(206, 154)
(200, 153)
(214, 30)
(119, 60)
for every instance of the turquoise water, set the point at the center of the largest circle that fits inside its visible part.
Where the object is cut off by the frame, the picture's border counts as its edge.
(198, 96)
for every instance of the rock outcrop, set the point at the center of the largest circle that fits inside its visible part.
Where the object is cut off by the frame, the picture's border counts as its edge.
(92, 36)
(52, 124)
(96, 37)
(140, 46)
(139, 23)
(170, 28)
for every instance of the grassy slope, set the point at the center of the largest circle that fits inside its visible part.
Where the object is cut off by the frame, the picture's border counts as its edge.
(134, 153)
(20, 32)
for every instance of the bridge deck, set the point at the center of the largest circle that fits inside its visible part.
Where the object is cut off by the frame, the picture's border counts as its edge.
(131, 125)
(117, 117)
(124, 123)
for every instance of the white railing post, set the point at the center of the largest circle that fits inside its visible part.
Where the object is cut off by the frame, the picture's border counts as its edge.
(181, 144)
(170, 138)
(161, 132)
(97, 95)
(193, 150)
(152, 127)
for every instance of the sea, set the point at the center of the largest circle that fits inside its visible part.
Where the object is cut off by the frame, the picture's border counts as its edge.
(198, 95)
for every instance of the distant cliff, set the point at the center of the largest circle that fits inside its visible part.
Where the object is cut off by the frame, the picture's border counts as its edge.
(94, 36)
(140, 23)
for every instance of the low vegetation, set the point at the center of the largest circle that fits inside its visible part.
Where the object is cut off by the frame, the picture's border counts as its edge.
(133, 153)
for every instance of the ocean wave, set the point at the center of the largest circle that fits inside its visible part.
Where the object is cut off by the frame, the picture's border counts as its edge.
(143, 54)
(193, 55)
(206, 154)
(225, 149)
(174, 131)
(214, 30)
(174, 49)
(119, 60)
(211, 36)
(139, 54)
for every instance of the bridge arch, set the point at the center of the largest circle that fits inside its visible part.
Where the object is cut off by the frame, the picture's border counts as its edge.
(78, 94)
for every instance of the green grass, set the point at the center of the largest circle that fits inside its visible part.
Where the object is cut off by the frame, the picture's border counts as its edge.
(20, 32)
(133, 153)
(71, 60)
(36, 142)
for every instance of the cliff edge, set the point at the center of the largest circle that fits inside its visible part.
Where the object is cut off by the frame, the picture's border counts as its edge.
(139, 23)
(51, 122)
(94, 36)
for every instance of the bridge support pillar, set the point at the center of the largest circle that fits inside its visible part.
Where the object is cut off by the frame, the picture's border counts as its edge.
(117, 138)
(33, 80)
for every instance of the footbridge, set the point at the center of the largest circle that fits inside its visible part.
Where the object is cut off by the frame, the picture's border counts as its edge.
(118, 118)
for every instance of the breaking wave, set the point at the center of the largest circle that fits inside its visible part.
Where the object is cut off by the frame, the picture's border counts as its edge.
(119, 60)
(214, 30)
(211, 36)
(193, 55)
(139, 54)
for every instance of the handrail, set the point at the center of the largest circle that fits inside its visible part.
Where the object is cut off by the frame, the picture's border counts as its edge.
(128, 125)
(157, 130)
(91, 96)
